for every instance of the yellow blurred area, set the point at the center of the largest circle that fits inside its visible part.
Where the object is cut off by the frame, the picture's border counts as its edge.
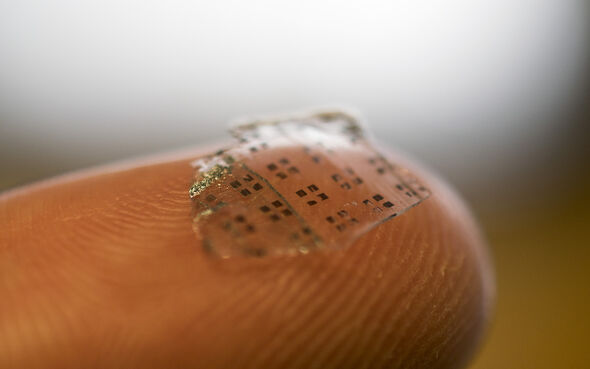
(542, 260)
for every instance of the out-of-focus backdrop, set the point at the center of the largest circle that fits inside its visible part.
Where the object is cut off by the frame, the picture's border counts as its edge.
(492, 94)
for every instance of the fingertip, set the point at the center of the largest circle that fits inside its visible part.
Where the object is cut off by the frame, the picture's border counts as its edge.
(414, 292)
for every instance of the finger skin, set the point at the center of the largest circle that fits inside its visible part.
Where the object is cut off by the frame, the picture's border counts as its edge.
(103, 270)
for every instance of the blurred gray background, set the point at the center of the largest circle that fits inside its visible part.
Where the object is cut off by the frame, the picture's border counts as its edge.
(492, 94)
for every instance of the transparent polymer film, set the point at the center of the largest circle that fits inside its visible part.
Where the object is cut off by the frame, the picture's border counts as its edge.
(295, 185)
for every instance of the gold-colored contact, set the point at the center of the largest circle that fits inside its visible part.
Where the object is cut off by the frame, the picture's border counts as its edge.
(209, 177)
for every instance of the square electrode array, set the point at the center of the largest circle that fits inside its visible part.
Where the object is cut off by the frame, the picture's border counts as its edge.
(294, 185)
